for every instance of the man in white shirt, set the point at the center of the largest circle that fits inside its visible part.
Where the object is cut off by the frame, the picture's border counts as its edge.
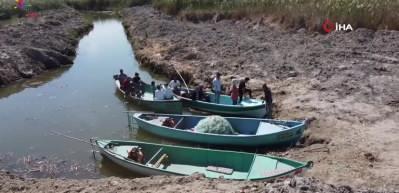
(159, 93)
(217, 87)
(175, 85)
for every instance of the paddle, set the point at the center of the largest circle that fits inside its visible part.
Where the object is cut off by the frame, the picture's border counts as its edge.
(181, 77)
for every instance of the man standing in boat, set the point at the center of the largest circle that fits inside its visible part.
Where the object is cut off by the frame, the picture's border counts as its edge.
(242, 89)
(217, 87)
(122, 76)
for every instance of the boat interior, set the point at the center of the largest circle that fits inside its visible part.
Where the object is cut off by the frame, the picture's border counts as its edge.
(148, 96)
(241, 126)
(226, 100)
(212, 163)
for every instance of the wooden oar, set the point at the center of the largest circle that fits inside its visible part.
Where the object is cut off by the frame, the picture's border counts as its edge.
(185, 84)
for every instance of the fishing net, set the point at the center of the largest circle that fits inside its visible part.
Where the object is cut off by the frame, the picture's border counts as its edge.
(214, 124)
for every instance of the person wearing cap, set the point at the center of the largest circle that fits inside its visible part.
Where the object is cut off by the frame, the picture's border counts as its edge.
(217, 87)
(242, 89)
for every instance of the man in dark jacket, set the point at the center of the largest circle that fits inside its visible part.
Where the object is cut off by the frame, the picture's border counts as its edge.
(242, 89)
(269, 100)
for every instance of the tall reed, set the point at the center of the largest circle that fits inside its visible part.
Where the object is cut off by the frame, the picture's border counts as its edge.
(360, 13)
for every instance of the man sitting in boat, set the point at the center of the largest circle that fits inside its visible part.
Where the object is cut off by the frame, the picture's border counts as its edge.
(168, 93)
(199, 94)
(159, 93)
(136, 155)
(175, 85)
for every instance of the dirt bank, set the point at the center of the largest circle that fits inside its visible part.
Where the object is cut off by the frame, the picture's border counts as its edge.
(195, 183)
(32, 45)
(346, 83)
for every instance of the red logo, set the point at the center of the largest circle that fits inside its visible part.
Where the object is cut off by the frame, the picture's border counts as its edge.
(328, 26)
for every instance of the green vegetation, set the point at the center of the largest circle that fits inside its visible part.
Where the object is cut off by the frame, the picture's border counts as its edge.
(360, 13)
(374, 14)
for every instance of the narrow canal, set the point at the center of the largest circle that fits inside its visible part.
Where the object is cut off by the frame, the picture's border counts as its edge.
(80, 101)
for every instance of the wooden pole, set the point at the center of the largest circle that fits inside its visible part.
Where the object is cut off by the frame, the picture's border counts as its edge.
(185, 84)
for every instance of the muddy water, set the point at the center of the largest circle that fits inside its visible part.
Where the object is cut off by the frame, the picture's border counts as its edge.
(80, 101)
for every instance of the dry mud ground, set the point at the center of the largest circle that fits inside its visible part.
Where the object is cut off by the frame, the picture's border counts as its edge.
(30, 46)
(347, 84)
(167, 184)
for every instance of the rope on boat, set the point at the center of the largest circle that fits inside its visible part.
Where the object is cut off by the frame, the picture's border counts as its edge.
(90, 142)
(72, 138)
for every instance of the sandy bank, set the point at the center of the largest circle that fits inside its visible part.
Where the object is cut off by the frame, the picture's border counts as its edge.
(346, 83)
(195, 183)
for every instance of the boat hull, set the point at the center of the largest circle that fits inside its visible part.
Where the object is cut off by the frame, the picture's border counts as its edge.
(164, 106)
(284, 138)
(187, 161)
(257, 111)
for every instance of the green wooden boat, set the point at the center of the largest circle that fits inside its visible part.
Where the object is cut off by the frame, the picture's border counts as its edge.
(247, 108)
(187, 161)
(174, 106)
(249, 131)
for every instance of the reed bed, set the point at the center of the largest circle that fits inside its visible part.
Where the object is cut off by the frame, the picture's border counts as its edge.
(374, 14)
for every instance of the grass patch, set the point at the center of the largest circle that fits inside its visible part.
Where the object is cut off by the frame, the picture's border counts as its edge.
(374, 14)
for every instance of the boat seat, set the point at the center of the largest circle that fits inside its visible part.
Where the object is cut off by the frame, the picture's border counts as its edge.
(178, 123)
(268, 128)
(161, 161)
(153, 157)
(221, 170)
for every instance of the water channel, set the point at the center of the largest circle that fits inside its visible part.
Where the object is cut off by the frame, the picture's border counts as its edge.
(81, 101)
